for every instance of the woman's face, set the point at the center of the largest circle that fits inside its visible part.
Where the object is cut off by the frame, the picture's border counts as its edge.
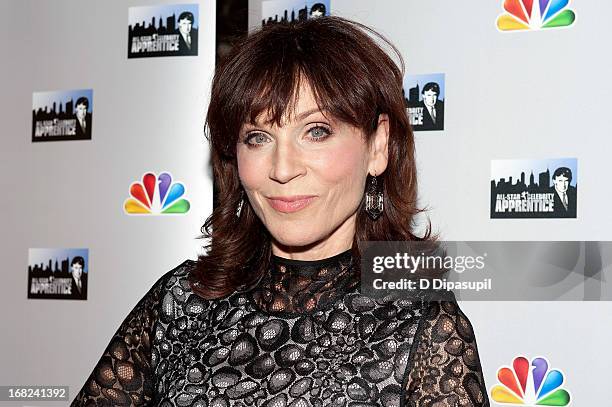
(314, 156)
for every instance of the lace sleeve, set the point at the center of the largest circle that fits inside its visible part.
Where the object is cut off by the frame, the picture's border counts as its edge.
(124, 376)
(444, 368)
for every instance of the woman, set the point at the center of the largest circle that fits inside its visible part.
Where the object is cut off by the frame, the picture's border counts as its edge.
(308, 129)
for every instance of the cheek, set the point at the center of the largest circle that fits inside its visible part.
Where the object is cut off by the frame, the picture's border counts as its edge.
(343, 167)
(341, 164)
(250, 170)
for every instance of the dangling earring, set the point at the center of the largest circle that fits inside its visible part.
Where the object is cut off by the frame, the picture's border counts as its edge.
(239, 210)
(374, 199)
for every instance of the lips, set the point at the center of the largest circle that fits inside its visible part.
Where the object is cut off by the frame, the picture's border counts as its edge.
(290, 204)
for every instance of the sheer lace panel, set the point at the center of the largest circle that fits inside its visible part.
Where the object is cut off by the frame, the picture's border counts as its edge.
(123, 376)
(304, 286)
(445, 369)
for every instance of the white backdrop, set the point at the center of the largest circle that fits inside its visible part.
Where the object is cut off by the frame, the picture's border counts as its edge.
(148, 116)
(515, 95)
(508, 95)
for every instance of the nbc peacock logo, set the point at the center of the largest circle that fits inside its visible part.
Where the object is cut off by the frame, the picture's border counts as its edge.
(530, 384)
(535, 15)
(156, 195)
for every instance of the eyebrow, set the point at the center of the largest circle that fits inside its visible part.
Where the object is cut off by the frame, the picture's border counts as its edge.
(302, 115)
(307, 113)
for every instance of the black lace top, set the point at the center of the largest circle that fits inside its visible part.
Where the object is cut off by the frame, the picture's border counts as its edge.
(302, 336)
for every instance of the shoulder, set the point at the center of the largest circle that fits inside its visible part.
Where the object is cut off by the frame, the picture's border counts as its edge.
(445, 356)
(176, 296)
(177, 275)
(177, 278)
(445, 319)
(170, 282)
(171, 278)
(444, 322)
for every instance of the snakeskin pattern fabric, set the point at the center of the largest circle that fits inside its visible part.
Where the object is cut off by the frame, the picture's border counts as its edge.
(303, 336)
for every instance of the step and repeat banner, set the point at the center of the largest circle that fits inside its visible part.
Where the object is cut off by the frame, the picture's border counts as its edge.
(507, 99)
(106, 168)
(106, 176)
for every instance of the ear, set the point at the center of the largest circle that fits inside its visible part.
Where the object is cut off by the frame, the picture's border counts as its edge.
(379, 146)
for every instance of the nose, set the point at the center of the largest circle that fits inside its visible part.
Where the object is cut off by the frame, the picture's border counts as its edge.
(287, 162)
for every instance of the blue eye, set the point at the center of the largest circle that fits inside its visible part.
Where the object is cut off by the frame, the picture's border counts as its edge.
(251, 136)
(323, 133)
(318, 133)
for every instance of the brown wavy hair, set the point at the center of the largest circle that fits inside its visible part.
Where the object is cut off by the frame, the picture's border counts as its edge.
(354, 80)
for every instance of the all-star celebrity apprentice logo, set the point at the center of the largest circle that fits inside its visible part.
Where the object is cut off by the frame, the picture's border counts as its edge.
(157, 31)
(62, 115)
(425, 99)
(534, 188)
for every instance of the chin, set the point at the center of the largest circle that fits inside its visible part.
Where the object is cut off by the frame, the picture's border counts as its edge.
(295, 237)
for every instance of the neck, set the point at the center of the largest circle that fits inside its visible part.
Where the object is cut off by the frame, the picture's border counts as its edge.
(305, 286)
(313, 255)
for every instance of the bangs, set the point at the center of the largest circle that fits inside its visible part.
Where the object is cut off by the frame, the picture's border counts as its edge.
(278, 91)
(261, 79)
